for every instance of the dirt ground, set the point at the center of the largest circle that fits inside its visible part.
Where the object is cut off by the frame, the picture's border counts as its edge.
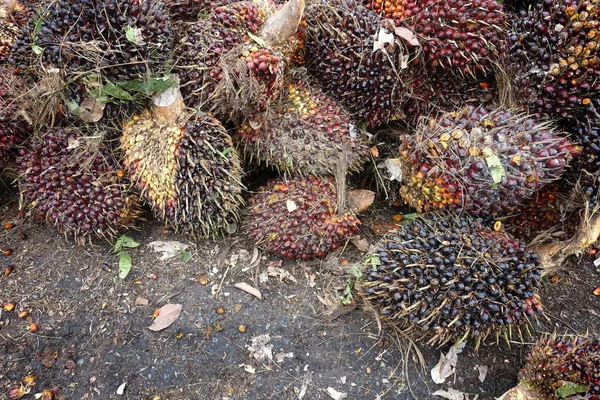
(93, 337)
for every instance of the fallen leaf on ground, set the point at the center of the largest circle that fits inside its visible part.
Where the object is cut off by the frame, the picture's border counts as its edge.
(335, 395)
(359, 200)
(311, 280)
(141, 302)
(121, 388)
(91, 110)
(360, 243)
(483, 370)
(260, 349)
(279, 357)
(168, 314)
(249, 368)
(453, 394)
(446, 366)
(248, 289)
(169, 249)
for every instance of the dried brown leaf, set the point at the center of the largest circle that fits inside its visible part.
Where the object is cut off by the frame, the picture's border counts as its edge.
(359, 200)
(91, 110)
(248, 289)
(168, 314)
(360, 243)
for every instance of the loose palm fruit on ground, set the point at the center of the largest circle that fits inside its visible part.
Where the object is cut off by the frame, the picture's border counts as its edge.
(298, 218)
(554, 53)
(559, 368)
(448, 277)
(340, 39)
(305, 132)
(75, 186)
(482, 162)
(120, 39)
(186, 167)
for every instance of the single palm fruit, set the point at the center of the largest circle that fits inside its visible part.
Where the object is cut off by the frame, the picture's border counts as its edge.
(554, 53)
(298, 218)
(449, 277)
(185, 165)
(340, 49)
(482, 162)
(121, 40)
(558, 368)
(304, 132)
(76, 187)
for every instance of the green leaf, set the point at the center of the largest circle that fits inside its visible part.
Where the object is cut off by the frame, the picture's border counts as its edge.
(125, 241)
(226, 151)
(37, 49)
(149, 86)
(569, 389)
(38, 26)
(346, 297)
(72, 105)
(98, 95)
(117, 92)
(119, 244)
(185, 256)
(130, 34)
(408, 218)
(356, 272)
(494, 165)
(257, 39)
(124, 264)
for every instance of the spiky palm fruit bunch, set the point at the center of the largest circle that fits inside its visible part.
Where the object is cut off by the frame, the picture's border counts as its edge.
(555, 364)
(304, 132)
(298, 218)
(440, 92)
(482, 162)
(340, 39)
(555, 51)
(226, 28)
(186, 168)
(191, 10)
(8, 34)
(13, 129)
(120, 39)
(78, 190)
(449, 277)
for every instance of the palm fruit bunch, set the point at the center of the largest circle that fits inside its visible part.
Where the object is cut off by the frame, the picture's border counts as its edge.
(305, 132)
(214, 37)
(191, 10)
(79, 190)
(554, 51)
(557, 368)
(447, 277)
(298, 217)
(440, 92)
(122, 40)
(340, 40)
(483, 162)
(8, 34)
(459, 35)
(185, 166)
(13, 129)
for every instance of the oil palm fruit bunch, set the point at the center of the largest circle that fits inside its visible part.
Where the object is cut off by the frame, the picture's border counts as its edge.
(447, 277)
(554, 49)
(122, 40)
(8, 35)
(482, 162)
(191, 10)
(185, 166)
(298, 217)
(340, 49)
(559, 368)
(13, 129)
(76, 187)
(304, 132)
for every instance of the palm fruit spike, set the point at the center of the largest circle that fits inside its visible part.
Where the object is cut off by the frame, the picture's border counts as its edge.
(483, 162)
(449, 277)
(298, 217)
(559, 368)
(459, 35)
(304, 132)
(8, 34)
(78, 190)
(185, 166)
(122, 40)
(340, 38)
(554, 49)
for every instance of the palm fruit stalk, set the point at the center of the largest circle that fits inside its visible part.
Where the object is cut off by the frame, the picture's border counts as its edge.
(303, 132)
(340, 41)
(76, 186)
(298, 217)
(482, 162)
(185, 166)
(558, 368)
(449, 277)
(554, 53)
(459, 36)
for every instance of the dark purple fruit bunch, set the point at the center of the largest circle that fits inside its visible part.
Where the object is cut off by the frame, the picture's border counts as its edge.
(80, 191)
(304, 132)
(13, 129)
(448, 277)
(340, 39)
(555, 54)
(121, 40)
(298, 218)
(556, 364)
(8, 35)
(482, 162)
(192, 10)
